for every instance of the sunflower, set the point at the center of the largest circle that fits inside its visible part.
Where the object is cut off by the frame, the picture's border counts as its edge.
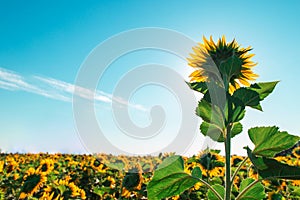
(253, 173)
(125, 193)
(47, 196)
(222, 61)
(33, 181)
(98, 166)
(236, 160)
(211, 164)
(112, 182)
(296, 152)
(46, 166)
(71, 190)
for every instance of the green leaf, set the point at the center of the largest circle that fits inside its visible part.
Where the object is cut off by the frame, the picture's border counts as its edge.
(101, 190)
(197, 172)
(236, 129)
(170, 179)
(247, 96)
(212, 131)
(210, 113)
(271, 168)
(219, 189)
(269, 141)
(236, 109)
(264, 89)
(257, 191)
(198, 86)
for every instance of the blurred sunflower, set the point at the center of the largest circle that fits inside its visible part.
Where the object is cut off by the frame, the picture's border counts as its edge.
(71, 190)
(296, 152)
(236, 160)
(283, 159)
(32, 182)
(112, 182)
(228, 60)
(211, 163)
(1, 165)
(98, 166)
(236, 182)
(46, 166)
(253, 173)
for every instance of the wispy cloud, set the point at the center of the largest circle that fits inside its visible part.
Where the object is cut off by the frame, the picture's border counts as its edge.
(56, 89)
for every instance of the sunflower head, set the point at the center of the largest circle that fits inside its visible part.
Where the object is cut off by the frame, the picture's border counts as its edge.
(226, 64)
(33, 181)
(211, 163)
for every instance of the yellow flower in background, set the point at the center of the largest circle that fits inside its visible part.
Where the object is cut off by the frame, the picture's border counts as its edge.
(46, 166)
(296, 152)
(32, 182)
(253, 173)
(1, 165)
(211, 164)
(228, 60)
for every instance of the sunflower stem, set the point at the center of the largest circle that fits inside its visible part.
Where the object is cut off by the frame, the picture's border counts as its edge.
(227, 163)
(238, 169)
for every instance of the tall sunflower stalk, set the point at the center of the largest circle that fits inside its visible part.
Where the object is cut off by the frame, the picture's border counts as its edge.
(225, 67)
(232, 68)
(222, 73)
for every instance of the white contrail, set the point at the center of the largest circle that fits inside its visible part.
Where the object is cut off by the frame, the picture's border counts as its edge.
(56, 89)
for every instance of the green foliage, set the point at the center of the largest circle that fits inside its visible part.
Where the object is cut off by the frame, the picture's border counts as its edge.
(2, 196)
(170, 179)
(219, 189)
(210, 113)
(198, 86)
(269, 141)
(271, 168)
(257, 191)
(264, 89)
(247, 96)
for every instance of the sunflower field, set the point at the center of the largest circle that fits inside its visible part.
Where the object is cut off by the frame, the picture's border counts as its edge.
(67, 176)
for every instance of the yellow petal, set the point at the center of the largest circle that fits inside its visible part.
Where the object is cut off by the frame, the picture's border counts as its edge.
(244, 82)
(223, 40)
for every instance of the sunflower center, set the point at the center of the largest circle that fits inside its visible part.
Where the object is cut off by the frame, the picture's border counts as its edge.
(96, 163)
(31, 182)
(236, 161)
(44, 167)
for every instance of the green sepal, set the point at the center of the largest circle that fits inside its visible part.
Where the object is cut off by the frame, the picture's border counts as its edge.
(198, 86)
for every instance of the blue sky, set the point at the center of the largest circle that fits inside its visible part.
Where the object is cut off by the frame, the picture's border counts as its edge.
(44, 43)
